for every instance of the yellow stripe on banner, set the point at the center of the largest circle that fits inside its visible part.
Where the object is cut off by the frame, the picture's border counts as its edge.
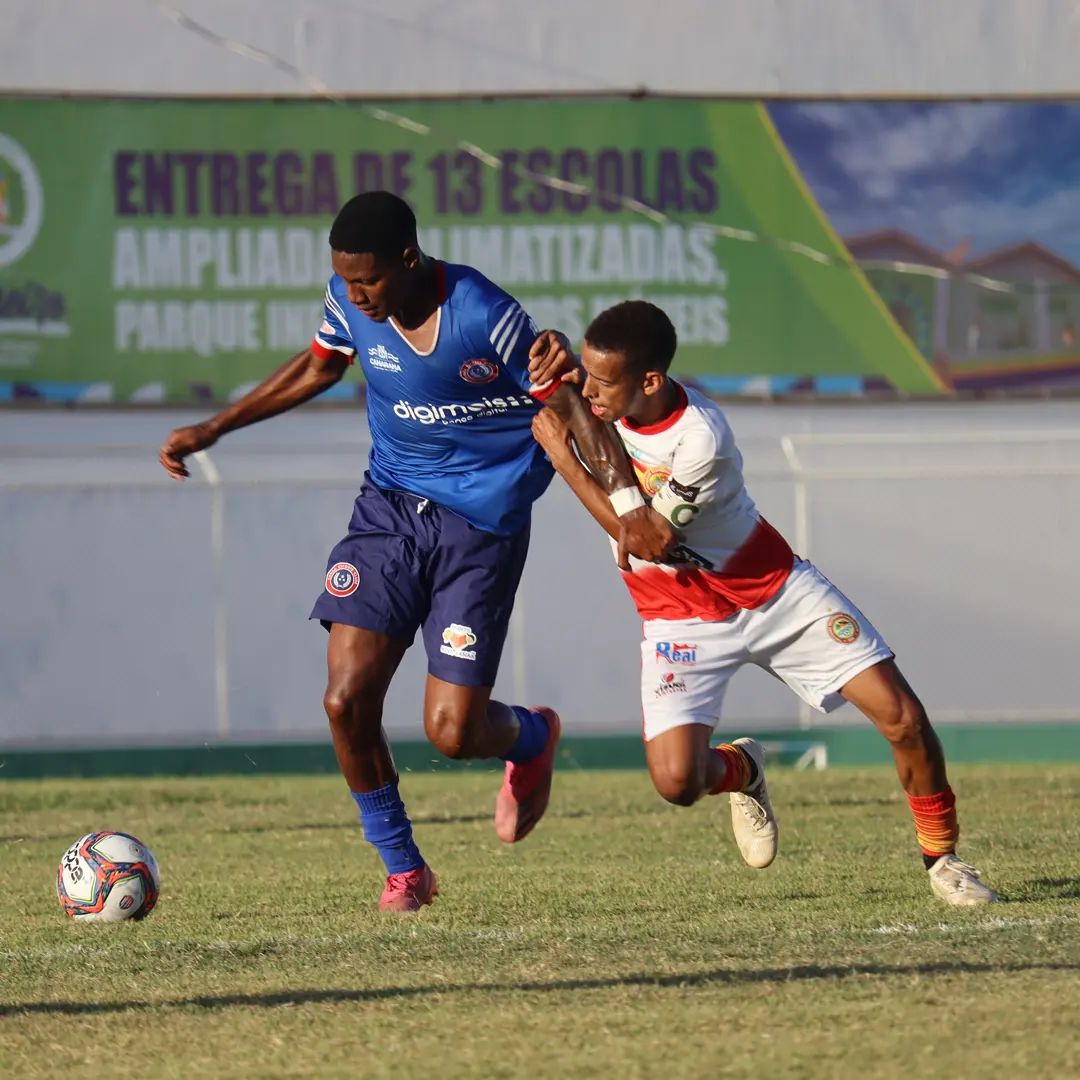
(875, 297)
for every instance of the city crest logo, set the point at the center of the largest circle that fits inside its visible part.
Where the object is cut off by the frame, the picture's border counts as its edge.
(843, 629)
(22, 201)
(379, 356)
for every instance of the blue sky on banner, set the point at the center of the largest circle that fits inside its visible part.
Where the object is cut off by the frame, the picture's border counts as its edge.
(996, 173)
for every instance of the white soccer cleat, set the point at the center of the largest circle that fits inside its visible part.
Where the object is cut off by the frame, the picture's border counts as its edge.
(752, 818)
(958, 884)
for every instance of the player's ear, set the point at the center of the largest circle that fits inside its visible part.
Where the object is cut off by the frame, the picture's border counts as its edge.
(411, 257)
(652, 382)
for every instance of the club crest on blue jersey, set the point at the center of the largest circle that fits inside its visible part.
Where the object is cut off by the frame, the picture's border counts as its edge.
(674, 652)
(479, 371)
(342, 579)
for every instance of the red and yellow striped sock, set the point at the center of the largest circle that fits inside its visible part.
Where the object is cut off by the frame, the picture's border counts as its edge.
(936, 827)
(736, 769)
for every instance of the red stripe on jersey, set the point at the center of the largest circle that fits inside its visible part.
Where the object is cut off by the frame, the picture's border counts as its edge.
(753, 575)
(322, 351)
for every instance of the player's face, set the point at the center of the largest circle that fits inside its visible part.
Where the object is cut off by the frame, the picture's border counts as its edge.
(375, 286)
(611, 387)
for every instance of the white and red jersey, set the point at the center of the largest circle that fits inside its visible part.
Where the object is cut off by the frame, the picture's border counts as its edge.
(731, 558)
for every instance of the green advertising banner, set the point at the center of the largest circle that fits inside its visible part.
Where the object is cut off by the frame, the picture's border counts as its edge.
(176, 251)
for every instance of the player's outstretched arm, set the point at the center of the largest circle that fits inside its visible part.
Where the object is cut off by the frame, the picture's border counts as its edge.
(643, 533)
(299, 379)
(554, 436)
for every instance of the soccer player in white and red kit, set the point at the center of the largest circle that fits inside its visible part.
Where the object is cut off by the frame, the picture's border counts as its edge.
(734, 593)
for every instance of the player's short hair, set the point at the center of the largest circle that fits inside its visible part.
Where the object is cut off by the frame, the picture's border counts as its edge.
(637, 329)
(374, 221)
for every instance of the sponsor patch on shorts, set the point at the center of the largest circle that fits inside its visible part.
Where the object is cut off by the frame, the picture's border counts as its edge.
(676, 652)
(669, 684)
(843, 629)
(342, 579)
(457, 641)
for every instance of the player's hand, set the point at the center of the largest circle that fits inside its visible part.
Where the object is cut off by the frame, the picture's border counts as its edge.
(184, 441)
(645, 534)
(552, 357)
(554, 436)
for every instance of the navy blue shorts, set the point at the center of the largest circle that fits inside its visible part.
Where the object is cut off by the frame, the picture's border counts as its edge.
(408, 563)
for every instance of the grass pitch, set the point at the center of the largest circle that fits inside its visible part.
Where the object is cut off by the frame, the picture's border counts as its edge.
(624, 938)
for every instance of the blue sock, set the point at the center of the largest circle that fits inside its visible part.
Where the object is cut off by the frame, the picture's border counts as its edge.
(388, 829)
(532, 738)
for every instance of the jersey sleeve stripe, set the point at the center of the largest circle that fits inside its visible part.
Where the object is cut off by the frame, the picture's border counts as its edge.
(335, 309)
(508, 350)
(512, 330)
(511, 310)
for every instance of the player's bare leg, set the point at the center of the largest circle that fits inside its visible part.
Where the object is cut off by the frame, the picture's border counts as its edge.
(883, 695)
(360, 665)
(684, 767)
(463, 722)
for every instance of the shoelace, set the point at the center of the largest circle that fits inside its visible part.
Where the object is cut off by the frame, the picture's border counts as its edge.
(962, 867)
(752, 809)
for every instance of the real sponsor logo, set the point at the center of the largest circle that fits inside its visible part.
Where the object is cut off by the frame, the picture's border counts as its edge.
(479, 371)
(379, 356)
(843, 628)
(342, 579)
(460, 412)
(458, 641)
(675, 652)
(668, 685)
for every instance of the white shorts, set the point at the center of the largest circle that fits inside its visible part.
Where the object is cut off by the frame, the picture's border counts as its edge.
(809, 634)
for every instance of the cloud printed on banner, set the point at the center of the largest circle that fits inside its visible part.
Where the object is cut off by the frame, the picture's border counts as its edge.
(992, 173)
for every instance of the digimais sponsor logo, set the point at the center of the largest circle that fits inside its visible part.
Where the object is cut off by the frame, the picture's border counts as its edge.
(459, 412)
(22, 201)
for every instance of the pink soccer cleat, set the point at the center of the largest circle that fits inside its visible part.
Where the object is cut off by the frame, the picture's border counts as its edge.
(525, 791)
(409, 891)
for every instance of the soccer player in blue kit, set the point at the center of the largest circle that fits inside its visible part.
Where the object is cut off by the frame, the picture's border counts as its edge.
(440, 529)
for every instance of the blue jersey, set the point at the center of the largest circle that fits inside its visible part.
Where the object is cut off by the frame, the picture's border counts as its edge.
(453, 424)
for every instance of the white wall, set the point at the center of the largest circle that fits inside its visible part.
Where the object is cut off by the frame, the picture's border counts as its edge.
(953, 526)
(759, 47)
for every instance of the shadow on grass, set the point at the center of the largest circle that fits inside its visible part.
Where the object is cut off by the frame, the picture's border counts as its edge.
(308, 826)
(391, 993)
(1045, 888)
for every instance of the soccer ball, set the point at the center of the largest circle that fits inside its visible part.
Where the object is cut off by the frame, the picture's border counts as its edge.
(108, 877)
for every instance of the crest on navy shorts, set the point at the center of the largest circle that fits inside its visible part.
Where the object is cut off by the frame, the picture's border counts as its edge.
(843, 629)
(458, 641)
(342, 579)
(479, 371)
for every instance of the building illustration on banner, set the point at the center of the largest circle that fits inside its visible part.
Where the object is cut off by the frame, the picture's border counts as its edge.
(963, 216)
(1005, 318)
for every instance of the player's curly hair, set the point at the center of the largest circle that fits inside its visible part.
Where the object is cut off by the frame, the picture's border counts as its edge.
(637, 329)
(374, 221)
